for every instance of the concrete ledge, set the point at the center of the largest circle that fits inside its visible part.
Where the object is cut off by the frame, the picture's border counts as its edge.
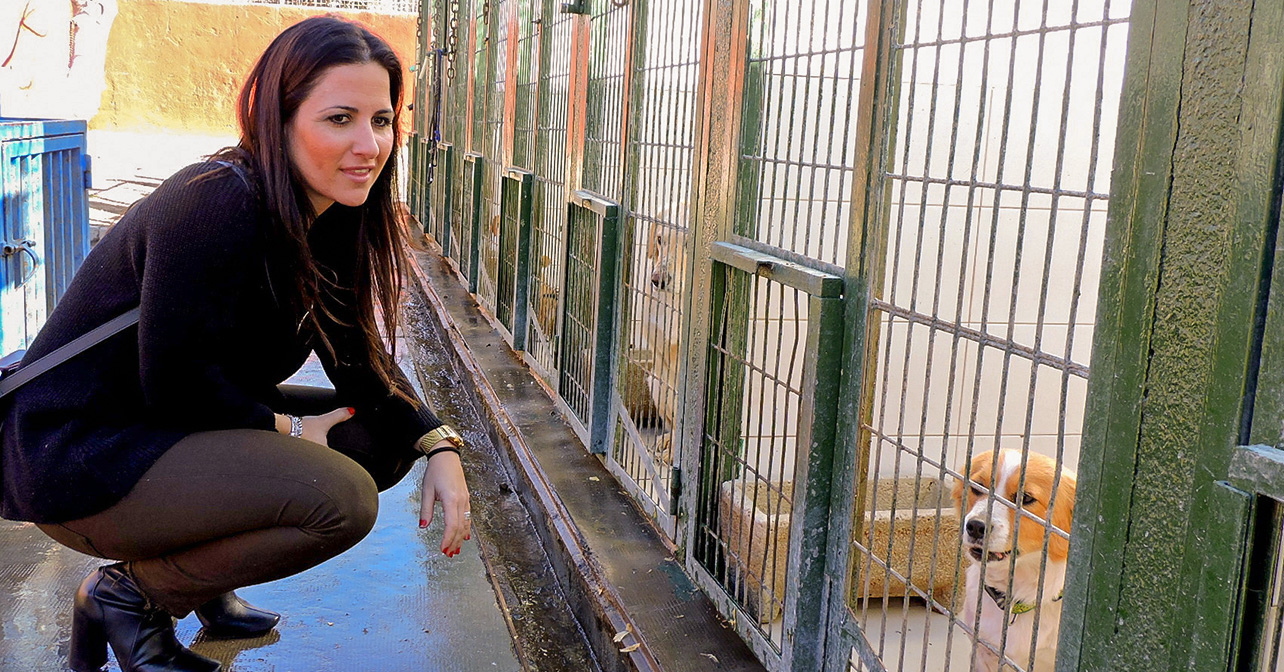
(617, 572)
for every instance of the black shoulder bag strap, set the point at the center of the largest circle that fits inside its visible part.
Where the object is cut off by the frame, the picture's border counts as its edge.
(23, 375)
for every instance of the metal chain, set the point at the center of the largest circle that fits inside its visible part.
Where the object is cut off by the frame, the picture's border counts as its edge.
(452, 39)
(445, 57)
(434, 123)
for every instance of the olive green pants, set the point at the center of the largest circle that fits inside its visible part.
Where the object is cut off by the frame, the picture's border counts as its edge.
(226, 509)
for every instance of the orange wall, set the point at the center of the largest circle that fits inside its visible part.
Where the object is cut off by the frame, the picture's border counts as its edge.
(179, 65)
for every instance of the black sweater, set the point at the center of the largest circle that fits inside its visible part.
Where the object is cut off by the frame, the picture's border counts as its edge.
(212, 343)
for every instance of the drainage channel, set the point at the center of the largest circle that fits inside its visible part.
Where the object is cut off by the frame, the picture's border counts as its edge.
(628, 594)
(546, 635)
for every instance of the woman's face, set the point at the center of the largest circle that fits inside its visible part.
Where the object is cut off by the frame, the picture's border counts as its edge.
(341, 135)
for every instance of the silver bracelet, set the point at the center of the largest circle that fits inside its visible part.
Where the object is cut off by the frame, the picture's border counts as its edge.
(296, 426)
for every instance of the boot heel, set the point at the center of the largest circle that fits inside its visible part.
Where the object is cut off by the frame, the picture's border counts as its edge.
(88, 642)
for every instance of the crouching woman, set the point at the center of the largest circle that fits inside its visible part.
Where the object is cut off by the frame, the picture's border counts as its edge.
(173, 448)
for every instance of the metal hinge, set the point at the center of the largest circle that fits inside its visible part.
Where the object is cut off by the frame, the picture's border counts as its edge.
(675, 489)
(87, 170)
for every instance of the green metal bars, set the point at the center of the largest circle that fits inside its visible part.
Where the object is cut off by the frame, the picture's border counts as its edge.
(473, 216)
(769, 441)
(524, 183)
(440, 205)
(662, 78)
(589, 315)
(550, 165)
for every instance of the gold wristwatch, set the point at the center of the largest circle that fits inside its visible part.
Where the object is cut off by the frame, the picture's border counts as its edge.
(436, 436)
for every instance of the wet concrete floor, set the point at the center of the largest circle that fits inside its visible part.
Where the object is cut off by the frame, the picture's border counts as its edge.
(393, 603)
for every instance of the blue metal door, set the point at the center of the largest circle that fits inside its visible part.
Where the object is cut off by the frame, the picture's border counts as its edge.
(44, 221)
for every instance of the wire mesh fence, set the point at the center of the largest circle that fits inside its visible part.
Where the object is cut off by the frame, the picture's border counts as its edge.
(610, 37)
(526, 82)
(796, 151)
(996, 194)
(440, 211)
(750, 443)
(660, 146)
(971, 208)
(576, 381)
(547, 279)
(506, 274)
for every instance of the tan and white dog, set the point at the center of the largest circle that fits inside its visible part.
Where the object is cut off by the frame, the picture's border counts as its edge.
(1017, 566)
(666, 255)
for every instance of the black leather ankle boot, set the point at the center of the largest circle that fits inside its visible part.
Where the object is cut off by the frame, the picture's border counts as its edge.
(229, 616)
(110, 609)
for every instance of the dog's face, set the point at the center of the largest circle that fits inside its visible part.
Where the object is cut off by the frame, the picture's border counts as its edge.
(666, 250)
(990, 528)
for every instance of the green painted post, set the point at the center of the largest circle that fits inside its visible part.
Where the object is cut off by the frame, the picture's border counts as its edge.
(505, 274)
(446, 173)
(1154, 566)
(1219, 582)
(474, 257)
(605, 322)
(752, 122)
(806, 580)
(705, 550)
(575, 7)
(412, 181)
(866, 255)
(521, 298)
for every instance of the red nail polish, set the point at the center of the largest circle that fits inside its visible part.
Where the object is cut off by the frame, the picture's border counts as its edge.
(423, 523)
(352, 411)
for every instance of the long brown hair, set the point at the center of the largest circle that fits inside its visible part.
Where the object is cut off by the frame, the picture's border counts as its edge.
(281, 79)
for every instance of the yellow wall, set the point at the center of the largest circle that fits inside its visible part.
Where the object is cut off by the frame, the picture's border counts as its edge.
(179, 65)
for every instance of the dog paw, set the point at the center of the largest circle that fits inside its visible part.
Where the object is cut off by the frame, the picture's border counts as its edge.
(664, 449)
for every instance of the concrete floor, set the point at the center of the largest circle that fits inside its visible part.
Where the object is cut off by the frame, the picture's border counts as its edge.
(393, 603)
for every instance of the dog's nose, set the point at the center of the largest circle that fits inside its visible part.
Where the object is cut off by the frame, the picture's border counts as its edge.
(975, 528)
(659, 279)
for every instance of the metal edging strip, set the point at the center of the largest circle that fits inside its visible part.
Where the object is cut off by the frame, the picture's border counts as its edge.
(816, 283)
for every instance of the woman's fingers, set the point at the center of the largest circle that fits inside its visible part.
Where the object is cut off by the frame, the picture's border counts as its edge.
(337, 416)
(444, 482)
(317, 427)
(427, 502)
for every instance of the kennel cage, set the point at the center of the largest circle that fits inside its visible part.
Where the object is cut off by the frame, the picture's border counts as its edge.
(949, 162)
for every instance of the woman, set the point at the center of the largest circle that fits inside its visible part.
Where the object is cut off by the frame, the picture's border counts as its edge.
(173, 449)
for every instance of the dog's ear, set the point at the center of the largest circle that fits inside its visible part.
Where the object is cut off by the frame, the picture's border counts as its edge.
(653, 242)
(960, 486)
(1063, 508)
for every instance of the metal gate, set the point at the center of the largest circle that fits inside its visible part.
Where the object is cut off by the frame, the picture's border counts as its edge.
(990, 150)
(793, 267)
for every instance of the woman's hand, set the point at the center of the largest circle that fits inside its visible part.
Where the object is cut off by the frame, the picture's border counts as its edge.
(444, 482)
(316, 427)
